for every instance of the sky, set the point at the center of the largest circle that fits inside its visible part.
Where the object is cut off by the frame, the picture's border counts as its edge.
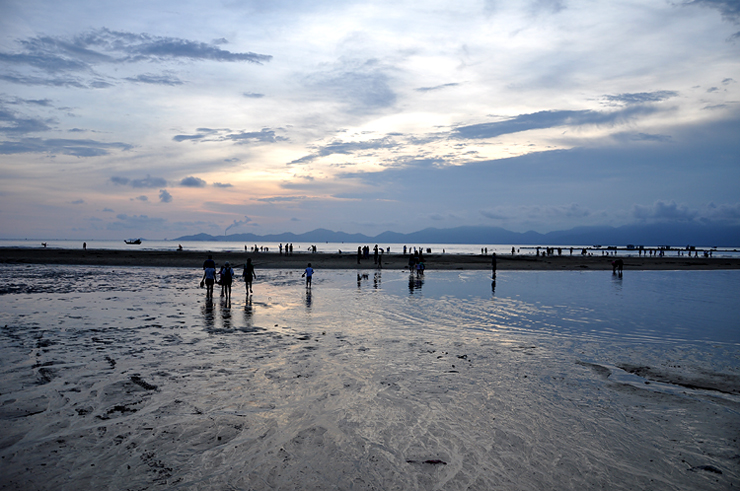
(168, 118)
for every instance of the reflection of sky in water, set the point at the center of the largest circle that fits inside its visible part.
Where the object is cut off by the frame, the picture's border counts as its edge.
(657, 306)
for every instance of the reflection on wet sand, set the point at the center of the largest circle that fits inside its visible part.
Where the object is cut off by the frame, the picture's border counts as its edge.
(560, 383)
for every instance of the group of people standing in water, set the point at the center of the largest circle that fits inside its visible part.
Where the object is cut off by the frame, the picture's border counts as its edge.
(226, 277)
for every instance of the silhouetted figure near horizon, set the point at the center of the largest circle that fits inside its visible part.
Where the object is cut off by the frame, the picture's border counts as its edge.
(249, 274)
(493, 265)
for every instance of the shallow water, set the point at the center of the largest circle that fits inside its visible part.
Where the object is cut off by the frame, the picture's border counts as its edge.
(122, 378)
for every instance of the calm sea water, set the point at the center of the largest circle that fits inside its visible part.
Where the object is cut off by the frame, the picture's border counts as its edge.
(695, 307)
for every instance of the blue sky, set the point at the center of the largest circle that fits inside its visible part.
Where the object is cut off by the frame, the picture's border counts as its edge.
(161, 119)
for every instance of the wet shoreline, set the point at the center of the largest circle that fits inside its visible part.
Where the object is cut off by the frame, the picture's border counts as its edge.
(274, 260)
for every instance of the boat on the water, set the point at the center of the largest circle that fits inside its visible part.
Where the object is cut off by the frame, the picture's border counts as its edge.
(133, 241)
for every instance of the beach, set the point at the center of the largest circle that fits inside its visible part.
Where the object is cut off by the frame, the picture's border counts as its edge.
(274, 260)
(128, 378)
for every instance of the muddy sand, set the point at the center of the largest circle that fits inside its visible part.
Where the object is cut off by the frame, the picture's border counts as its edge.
(349, 261)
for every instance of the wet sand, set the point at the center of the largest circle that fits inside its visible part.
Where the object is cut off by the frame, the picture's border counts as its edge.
(274, 260)
(132, 380)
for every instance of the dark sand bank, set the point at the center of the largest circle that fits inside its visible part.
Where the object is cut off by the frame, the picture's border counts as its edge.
(194, 259)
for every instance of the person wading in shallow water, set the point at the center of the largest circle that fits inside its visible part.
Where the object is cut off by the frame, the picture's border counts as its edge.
(227, 276)
(249, 273)
(308, 274)
(209, 278)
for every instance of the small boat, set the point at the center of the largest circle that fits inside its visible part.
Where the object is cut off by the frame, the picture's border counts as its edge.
(133, 241)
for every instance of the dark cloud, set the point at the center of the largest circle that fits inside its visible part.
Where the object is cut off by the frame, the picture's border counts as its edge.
(641, 137)
(32, 102)
(193, 182)
(101, 46)
(730, 9)
(662, 211)
(282, 199)
(58, 57)
(164, 196)
(222, 185)
(436, 87)
(253, 95)
(265, 135)
(549, 119)
(149, 182)
(119, 181)
(142, 198)
(641, 97)
(76, 148)
(347, 148)
(156, 79)
(12, 123)
(51, 82)
(78, 202)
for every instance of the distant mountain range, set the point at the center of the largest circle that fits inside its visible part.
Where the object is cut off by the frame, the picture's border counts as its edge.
(676, 235)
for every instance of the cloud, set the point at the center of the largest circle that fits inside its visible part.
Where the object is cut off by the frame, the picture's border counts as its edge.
(193, 182)
(170, 80)
(142, 198)
(222, 185)
(538, 212)
(662, 211)
(346, 148)
(265, 135)
(76, 148)
(77, 202)
(282, 199)
(628, 136)
(51, 82)
(729, 213)
(253, 95)
(149, 182)
(436, 87)
(11, 123)
(549, 119)
(164, 196)
(363, 85)
(82, 52)
(641, 97)
(730, 9)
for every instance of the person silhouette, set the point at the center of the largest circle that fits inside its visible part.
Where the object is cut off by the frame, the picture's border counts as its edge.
(249, 274)
(309, 275)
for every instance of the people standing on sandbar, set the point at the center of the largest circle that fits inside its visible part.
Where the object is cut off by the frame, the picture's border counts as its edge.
(309, 275)
(249, 274)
